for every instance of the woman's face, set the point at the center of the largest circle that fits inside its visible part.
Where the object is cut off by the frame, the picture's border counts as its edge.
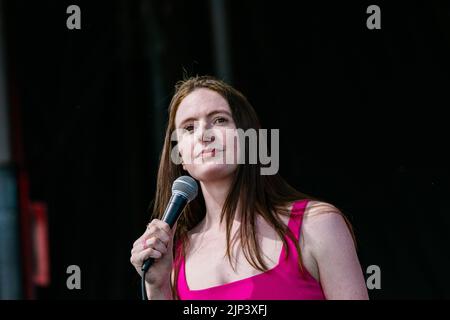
(205, 134)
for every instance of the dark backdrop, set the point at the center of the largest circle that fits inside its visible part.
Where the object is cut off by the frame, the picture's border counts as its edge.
(360, 113)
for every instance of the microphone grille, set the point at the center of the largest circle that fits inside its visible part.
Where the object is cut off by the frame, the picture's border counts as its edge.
(186, 186)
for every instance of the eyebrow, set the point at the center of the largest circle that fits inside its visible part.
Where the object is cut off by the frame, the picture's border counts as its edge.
(208, 115)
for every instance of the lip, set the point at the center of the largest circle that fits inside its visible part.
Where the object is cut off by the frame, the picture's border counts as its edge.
(208, 152)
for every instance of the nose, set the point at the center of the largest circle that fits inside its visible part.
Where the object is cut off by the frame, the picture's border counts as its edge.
(204, 133)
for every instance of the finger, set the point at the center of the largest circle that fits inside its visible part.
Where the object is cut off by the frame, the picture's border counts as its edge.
(160, 224)
(163, 236)
(151, 229)
(155, 225)
(147, 253)
(160, 234)
(139, 240)
(157, 244)
(163, 226)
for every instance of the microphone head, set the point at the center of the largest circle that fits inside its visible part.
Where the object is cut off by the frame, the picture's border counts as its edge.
(186, 186)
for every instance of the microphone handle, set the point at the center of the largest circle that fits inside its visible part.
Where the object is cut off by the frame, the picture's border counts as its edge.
(173, 210)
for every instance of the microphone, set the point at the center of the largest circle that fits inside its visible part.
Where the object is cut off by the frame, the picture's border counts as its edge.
(184, 190)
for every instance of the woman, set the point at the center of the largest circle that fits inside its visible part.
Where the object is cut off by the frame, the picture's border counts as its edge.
(246, 235)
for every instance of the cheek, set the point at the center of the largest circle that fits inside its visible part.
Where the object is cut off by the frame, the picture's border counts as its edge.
(231, 143)
(186, 148)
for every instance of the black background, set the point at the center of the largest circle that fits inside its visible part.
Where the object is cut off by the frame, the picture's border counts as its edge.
(360, 113)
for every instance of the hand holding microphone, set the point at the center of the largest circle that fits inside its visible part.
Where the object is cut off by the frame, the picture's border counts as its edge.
(156, 243)
(152, 252)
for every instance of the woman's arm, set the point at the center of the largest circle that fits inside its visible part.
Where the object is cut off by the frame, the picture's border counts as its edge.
(332, 246)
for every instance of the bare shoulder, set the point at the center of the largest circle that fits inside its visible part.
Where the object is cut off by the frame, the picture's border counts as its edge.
(314, 208)
(319, 212)
(332, 246)
(324, 226)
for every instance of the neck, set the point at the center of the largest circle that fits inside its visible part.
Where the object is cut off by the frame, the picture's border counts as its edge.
(215, 193)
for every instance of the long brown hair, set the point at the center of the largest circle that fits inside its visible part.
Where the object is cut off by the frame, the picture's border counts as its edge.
(255, 194)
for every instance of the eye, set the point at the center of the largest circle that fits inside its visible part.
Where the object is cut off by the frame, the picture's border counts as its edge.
(189, 128)
(220, 120)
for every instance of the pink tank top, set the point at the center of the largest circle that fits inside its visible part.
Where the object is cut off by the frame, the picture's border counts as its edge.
(282, 282)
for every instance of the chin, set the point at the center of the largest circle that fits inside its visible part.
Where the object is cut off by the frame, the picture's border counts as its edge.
(210, 171)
